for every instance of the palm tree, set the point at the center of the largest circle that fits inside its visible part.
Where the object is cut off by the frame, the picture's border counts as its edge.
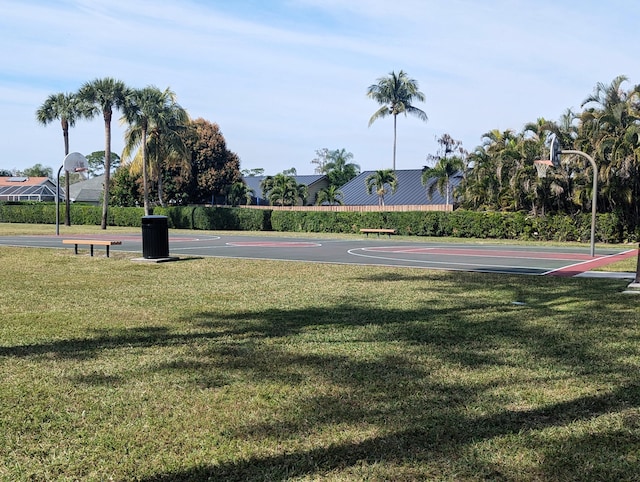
(155, 120)
(611, 125)
(441, 174)
(240, 193)
(330, 195)
(283, 189)
(395, 94)
(67, 108)
(104, 95)
(338, 169)
(378, 180)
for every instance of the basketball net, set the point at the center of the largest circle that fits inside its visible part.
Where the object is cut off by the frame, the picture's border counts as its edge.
(542, 167)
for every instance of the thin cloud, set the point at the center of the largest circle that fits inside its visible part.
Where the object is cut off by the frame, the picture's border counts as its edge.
(284, 78)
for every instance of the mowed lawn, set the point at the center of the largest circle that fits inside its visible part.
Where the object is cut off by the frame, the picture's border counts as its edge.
(223, 369)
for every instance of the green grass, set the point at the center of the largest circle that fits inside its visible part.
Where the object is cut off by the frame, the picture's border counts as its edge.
(258, 370)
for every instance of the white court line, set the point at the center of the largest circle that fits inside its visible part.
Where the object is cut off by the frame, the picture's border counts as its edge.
(430, 263)
(479, 253)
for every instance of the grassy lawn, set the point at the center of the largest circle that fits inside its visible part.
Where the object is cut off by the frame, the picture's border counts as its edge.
(223, 369)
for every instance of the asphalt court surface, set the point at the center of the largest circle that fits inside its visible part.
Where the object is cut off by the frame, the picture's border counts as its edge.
(378, 251)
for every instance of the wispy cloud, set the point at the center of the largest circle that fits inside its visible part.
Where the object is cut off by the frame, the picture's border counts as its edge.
(284, 78)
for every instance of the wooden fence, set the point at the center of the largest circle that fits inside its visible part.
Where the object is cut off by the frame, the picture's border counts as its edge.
(403, 208)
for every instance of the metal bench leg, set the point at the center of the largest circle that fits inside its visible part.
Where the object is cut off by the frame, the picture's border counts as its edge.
(107, 250)
(91, 249)
(76, 248)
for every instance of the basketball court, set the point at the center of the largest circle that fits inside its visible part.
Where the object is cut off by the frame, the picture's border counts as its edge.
(383, 251)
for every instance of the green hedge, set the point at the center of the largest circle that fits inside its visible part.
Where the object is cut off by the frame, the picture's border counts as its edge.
(460, 223)
(211, 218)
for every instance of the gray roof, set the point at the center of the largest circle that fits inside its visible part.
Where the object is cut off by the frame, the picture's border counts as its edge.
(87, 191)
(253, 182)
(410, 190)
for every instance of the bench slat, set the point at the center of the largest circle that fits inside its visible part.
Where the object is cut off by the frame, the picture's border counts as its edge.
(97, 242)
(91, 243)
(378, 231)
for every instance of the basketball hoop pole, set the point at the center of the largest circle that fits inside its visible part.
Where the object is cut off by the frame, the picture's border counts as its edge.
(74, 162)
(593, 195)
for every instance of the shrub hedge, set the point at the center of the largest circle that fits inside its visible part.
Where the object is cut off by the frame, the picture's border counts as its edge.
(459, 223)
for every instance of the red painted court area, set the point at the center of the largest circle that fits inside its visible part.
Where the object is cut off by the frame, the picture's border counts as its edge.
(274, 244)
(485, 253)
(482, 258)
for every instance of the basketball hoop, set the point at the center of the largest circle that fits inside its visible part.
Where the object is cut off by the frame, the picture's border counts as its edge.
(542, 167)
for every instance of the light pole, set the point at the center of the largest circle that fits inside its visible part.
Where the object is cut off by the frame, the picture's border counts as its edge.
(74, 162)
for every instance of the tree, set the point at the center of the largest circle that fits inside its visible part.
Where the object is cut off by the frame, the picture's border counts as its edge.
(449, 159)
(282, 189)
(240, 193)
(213, 167)
(379, 180)
(66, 108)
(395, 94)
(253, 172)
(330, 195)
(155, 121)
(95, 160)
(125, 188)
(38, 170)
(338, 169)
(104, 95)
(441, 174)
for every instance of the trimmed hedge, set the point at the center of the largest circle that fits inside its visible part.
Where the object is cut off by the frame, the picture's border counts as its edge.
(460, 223)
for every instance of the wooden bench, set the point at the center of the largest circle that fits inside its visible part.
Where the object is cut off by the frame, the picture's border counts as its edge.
(378, 231)
(91, 243)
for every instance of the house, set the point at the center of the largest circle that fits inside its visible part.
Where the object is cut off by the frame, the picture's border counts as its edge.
(314, 183)
(88, 192)
(410, 191)
(22, 188)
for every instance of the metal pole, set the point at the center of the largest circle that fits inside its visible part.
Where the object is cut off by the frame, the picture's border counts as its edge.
(58, 202)
(637, 280)
(593, 195)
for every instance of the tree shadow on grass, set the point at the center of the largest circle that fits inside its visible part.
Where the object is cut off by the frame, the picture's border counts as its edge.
(444, 437)
(421, 419)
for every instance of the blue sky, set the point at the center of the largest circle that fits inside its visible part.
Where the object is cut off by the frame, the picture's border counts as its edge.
(283, 78)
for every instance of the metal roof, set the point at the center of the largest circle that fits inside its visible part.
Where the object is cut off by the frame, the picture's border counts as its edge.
(254, 183)
(410, 190)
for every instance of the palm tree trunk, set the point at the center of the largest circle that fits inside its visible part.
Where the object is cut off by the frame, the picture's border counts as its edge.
(395, 117)
(145, 172)
(107, 167)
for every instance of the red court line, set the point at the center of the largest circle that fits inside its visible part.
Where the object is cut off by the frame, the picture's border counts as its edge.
(485, 253)
(123, 237)
(579, 268)
(274, 244)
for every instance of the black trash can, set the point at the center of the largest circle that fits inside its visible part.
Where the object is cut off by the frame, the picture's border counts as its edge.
(155, 237)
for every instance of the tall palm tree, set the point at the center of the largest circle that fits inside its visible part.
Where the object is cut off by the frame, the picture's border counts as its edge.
(67, 108)
(379, 180)
(155, 120)
(104, 95)
(441, 175)
(395, 94)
